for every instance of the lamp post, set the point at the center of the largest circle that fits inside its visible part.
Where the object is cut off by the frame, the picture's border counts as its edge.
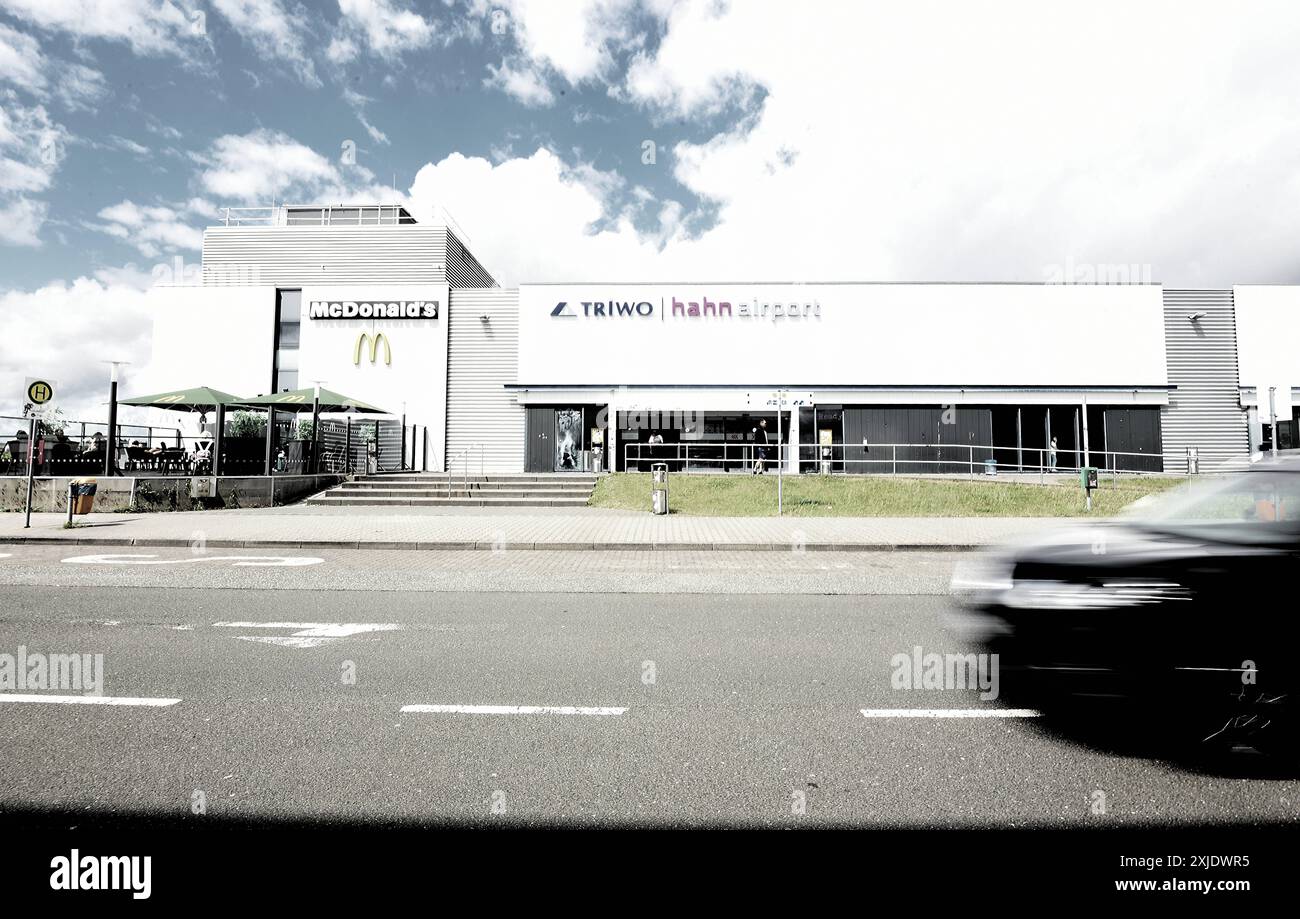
(110, 443)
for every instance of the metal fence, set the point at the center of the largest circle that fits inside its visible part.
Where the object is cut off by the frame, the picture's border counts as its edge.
(344, 446)
(900, 459)
(74, 447)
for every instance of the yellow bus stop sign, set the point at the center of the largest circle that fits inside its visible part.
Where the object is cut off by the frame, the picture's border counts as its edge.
(39, 392)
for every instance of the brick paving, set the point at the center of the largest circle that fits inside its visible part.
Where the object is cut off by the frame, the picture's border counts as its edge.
(568, 529)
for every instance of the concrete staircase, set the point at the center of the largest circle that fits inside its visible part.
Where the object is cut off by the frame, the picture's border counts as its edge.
(432, 489)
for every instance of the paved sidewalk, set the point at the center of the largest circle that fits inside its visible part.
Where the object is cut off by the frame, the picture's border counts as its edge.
(293, 528)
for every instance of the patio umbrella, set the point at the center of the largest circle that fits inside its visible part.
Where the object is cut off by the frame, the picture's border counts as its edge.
(198, 399)
(201, 399)
(303, 400)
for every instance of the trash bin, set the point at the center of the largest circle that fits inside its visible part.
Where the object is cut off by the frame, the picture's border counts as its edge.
(82, 494)
(659, 488)
(990, 467)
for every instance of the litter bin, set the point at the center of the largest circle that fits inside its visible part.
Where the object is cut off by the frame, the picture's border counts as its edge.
(990, 467)
(659, 488)
(81, 495)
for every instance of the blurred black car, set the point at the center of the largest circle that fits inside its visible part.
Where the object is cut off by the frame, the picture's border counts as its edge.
(1179, 617)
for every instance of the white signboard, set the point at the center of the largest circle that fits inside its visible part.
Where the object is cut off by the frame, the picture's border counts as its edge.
(824, 335)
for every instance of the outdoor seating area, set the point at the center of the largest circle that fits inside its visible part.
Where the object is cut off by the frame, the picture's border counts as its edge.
(259, 435)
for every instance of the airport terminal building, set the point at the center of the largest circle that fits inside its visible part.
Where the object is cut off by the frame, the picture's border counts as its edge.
(579, 376)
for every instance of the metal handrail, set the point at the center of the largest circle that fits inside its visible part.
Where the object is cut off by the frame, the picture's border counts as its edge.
(681, 453)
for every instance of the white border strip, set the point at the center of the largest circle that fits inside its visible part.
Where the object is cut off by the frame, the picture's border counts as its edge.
(949, 713)
(85, 700)
(511, 710)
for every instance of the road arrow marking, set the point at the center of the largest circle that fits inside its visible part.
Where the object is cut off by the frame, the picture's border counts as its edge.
(307, 634)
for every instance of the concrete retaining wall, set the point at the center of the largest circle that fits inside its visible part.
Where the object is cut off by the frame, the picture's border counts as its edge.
(164, 493)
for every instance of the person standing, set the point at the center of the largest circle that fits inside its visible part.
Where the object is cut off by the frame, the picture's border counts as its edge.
(760, 447)
(1051, 455)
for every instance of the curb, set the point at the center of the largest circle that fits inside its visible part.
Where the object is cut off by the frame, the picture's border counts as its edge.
(491, 546)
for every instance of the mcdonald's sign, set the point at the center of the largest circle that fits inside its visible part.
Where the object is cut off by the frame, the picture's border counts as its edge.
(374, 341)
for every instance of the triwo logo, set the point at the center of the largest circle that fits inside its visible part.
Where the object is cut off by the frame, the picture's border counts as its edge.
(374, 341)
(601, 309)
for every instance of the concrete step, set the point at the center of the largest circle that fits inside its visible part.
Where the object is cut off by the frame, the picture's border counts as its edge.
(328, 500)
(457, 492)
(362, 488)
(589, 481)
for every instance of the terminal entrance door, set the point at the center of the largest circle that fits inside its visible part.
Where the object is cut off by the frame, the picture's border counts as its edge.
(540, 428)
(557, 438)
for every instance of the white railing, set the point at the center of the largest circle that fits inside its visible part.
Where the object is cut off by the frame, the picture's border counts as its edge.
(316, 216)
(975, 459)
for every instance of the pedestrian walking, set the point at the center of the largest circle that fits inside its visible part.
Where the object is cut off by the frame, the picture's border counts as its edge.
(760, 447)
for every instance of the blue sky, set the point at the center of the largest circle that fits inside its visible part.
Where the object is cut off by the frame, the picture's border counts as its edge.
(1028, 140)
(142, 123)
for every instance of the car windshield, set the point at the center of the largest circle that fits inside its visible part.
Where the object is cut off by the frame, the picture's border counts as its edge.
(1258, 506)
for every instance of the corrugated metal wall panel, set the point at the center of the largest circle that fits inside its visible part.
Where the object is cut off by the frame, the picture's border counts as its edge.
(1204, 408)
(482, 357)
(463, 269)
(294, 256)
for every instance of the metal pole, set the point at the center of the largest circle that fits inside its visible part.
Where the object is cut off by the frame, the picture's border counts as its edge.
(780, 401)
(403, 460)
(218, 432)
(270, 428)
(110, 444)
(31, 468)
(347, 444)
(1272, 420)
(1087, 457)
(1020, 444)
(315, 430)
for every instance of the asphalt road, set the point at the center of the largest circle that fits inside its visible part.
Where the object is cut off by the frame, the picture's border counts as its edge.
(730, 689)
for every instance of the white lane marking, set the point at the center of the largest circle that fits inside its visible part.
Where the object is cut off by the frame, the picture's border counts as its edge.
(6, 555)
(86, 700)
(513, 709)
(949, 713)
(307, 634)
(240, 561)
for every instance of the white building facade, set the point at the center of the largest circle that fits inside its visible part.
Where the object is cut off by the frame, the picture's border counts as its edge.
(554, 377)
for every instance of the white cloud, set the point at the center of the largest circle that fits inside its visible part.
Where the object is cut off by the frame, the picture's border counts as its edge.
(573, 40)
(148, 26)
(23, 64)
(263, 166)
(21, 60)
(532, 218)
(386, 27)
(21, 220)
(277, 32)
(933, 141)
(342, 49)
(31, 151)
(66, 330)
(524, 83)
(152, 229)
(358, 103)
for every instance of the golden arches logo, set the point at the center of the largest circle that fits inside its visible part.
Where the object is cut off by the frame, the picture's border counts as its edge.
(374, 341)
